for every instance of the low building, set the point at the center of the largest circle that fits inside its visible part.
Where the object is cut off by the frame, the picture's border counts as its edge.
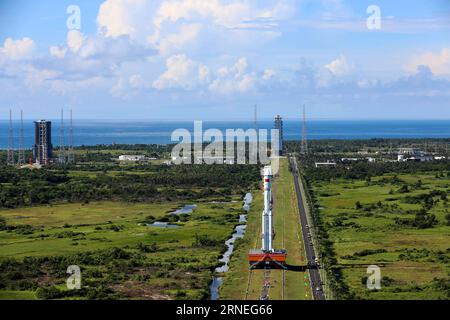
(416, 158)
(419, 159)
(411, 151)
(132, 158)
(325, 164)
(215, 160)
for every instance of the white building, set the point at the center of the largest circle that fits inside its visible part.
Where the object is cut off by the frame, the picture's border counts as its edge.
(132, 158)
(325, 164)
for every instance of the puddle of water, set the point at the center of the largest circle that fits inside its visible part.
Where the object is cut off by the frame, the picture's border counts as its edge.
(162, 225)
(215, 285)
(238, 234)
(188, 209)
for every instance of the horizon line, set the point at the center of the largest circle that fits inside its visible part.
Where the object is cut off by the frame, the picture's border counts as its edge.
(229, 119)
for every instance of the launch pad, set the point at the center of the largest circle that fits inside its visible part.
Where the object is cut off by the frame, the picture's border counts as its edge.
(267, 257)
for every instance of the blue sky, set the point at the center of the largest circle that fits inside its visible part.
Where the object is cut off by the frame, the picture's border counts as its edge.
(215, 59)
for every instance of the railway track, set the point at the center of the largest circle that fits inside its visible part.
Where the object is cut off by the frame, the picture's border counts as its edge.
(266, 284)
(314, 274)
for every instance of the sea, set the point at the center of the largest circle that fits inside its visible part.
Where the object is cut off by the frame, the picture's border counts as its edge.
(107, 132)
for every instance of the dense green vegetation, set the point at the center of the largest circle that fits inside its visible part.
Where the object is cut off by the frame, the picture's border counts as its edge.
(392, 215)
(372, 147)
(120, 256)
(25, 187)
(97, 214)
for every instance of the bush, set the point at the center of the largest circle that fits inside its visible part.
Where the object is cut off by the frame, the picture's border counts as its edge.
(48, 293)
(447, 217)
(147, 248)
(206, 241)
(404, 189)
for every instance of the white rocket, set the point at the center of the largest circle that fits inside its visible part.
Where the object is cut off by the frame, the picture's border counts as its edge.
(267, 227)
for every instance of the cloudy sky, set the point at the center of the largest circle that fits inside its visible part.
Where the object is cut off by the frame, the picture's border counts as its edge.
(216, 59)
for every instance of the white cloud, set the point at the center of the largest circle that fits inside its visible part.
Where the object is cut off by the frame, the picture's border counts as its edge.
(268, 74)
(84, 62)
(18, 49)
(128, 87)
(339, 66)
(203, 74)
(58, 52)
(175, 41)
(171, 25)
(438, 63)
(36, 78)
(367, 83)
(181, 73)
(227, 15)
(234, 79)
(75, 40)
(126, 17)
(135, 81)
(185, 74)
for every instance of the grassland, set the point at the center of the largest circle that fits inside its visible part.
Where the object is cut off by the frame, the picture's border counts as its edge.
(239, 282)
(414, 261)
(147, 262)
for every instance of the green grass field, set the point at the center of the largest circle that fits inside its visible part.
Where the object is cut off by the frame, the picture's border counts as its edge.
(177, 268)
(410, 258)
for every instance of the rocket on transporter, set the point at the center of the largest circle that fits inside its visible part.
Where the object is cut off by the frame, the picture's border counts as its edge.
(267, 256)
(267, 229)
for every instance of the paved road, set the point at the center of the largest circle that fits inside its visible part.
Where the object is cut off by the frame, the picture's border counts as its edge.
(314, 273)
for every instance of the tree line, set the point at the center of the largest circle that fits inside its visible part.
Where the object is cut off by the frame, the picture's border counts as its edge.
(24, 187)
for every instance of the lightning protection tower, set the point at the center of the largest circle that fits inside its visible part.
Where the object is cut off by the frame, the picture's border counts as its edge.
(304, 148)
(62, 151)
(21, 159)
(10, 159)
(71, 155)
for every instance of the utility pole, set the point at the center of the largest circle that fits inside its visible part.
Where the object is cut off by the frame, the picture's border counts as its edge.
(62, 151)
(71, 155)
